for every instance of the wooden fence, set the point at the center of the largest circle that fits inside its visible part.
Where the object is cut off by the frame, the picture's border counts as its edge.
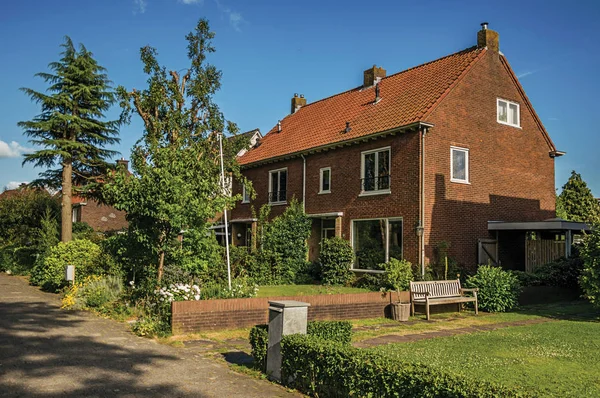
(542, 251)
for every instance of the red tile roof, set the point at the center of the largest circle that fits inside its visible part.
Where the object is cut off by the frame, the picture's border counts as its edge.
(406, 97)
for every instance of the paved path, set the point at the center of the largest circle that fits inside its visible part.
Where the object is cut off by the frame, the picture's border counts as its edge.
(407, 338)
(48, 352)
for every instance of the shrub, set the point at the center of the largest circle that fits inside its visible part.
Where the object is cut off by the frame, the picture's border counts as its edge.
(328, 369)
(150, 326)
(590, 276)
(398, 274)
(241, 287)
(563, 273)
(374, 282)
(93, 292)
(336, 258)
(339, 331)
(498, 289)
(83, 254)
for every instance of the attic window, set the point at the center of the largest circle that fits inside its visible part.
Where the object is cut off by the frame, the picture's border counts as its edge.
(509, 113)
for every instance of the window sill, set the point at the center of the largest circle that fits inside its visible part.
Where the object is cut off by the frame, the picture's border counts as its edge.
(460, 181)
(245, 202)
(323, 192)
(510, 125)
(277, 203)
(368, 271)
(372, 193)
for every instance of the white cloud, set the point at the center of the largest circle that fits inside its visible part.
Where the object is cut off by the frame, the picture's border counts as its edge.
(140, 6)
(192, 1)
(235, 19)
(14, 184)
(525, 74)
(11, 150)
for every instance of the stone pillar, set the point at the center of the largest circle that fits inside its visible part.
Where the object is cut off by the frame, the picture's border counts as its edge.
(338, 227)
(285, 317)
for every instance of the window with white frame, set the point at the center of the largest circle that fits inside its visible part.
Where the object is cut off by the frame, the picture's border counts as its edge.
(509, 113)
(327, 228)
(375, 241)
(245, 194)
(375, 171)
(325, 180)
(459, 165)
(76, 212)
(278, 186)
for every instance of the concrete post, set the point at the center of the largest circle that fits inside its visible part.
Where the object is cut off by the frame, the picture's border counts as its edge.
(285, 317)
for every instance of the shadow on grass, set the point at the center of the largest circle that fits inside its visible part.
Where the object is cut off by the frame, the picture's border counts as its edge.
(239, 358)
(42, 354)
(576, 310)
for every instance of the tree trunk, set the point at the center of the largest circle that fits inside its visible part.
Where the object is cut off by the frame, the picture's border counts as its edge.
(66, 205)
(161, 265)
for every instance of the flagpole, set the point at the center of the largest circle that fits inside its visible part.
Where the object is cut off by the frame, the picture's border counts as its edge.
(225, 210)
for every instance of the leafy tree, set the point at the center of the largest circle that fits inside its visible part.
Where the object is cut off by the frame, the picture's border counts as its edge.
(590, 276)
(177, 177)
(576, 202)
(70, 129)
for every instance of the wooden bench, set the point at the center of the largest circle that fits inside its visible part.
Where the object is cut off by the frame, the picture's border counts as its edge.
(440, 292)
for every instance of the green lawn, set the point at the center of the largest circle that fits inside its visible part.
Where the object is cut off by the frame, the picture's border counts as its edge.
(558, 358)
(305, 290)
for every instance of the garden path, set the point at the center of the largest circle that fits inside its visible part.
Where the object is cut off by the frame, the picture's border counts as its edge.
(48, 352)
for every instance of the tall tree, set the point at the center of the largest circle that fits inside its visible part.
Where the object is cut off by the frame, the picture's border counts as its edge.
(71, 130)
(176, 181)
(576, 202)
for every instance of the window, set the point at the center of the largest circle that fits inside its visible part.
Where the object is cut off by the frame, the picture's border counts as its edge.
(508, 113)
(325, 184)
(376, 241)
(278, 186)
(459, 165)
(327, 228)
(245, 194)
(76, 213)
(375, 170)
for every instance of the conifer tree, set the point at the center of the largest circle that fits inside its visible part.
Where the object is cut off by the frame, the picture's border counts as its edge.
(576, 202)
(70, 130)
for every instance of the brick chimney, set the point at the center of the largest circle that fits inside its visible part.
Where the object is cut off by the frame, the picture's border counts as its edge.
(488, 38)
(123, 162)
(298, 102)
(373, 75)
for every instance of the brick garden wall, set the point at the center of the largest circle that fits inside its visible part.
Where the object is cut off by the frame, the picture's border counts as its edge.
(205, 315)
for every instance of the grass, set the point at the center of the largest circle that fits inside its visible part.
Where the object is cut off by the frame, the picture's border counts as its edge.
(305, 290)
(551, 359)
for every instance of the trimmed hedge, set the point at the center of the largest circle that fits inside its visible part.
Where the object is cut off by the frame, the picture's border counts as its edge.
(328, 369)
(340, 331)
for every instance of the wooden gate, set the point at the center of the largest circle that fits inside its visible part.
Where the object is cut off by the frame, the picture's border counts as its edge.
(487, 251)
(542, 251)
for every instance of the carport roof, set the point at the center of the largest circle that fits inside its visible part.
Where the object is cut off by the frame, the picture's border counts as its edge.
(551, 224)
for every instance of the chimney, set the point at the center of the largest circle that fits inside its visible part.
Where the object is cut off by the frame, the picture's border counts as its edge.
(373, 75)
(298, 102)
(124, 163)
(488, 38)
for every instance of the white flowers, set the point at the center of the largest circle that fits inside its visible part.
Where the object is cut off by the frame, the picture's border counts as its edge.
(179, 292)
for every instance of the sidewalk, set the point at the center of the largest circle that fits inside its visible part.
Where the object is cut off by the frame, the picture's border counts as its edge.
(48, 352)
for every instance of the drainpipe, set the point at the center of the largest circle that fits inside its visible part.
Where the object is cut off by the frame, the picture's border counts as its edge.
(422, 201)
(303, 183)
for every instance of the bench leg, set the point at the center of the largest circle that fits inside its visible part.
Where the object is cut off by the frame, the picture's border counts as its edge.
(412, 307)
(476, 312)
(458, 305)
(427, 310)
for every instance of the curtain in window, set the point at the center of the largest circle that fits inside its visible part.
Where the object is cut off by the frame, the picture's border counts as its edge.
(459, 166)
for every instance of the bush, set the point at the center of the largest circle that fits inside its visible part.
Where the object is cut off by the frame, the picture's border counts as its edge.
(84, 255)
(498, 289)
(336, 258)
(93, 292)
(328, 369)
(398, 274)
(340, 331)
(241, 287)
(563, 273)
(374, 282)
(590, 276)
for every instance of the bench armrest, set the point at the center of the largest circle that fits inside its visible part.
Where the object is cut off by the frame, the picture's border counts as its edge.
(474, 290)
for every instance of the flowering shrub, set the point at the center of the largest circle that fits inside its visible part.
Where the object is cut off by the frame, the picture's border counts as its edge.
(179, 292)
(93, 292)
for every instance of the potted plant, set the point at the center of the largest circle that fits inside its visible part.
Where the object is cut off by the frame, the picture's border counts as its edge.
(398, 274)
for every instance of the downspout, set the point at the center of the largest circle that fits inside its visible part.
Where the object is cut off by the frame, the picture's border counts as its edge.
(303, 183)
(422, 202)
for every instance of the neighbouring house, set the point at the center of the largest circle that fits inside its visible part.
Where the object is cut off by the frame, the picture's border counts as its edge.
(434, 155)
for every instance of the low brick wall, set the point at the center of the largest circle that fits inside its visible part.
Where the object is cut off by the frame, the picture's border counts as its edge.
(206, 315)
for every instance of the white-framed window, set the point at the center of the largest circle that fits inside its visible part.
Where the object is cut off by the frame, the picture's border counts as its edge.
(76, 211)
(375, 171)
(327, 228)
(325, 180)
(245, 194)
(278, 186)
(459, 165)
(375, 241)
(509, 113)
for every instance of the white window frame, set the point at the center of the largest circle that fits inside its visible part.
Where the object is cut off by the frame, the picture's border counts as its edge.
(467, 164)
(323, 229)
(245, 196)
(271, 173)
(321, 172)
(387, 241)
(362, 171)
(508, 104)
(76, 213)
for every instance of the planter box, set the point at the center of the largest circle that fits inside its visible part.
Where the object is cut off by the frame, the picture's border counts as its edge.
(400, 311)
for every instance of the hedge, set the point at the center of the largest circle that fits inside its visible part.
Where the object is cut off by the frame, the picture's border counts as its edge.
(329, 369)
(340, 331)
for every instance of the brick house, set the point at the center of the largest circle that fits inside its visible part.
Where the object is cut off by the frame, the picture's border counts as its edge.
(407, 161)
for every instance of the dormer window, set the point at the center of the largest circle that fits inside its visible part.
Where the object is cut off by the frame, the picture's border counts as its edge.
(509, 113)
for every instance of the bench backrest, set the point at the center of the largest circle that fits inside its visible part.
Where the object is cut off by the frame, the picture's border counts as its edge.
(436, 288)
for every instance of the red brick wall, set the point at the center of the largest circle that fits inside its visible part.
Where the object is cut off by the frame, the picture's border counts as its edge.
(511, 172)
(204, 315)
(103, 218)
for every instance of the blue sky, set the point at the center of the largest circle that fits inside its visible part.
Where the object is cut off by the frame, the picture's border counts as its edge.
(269, 50)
